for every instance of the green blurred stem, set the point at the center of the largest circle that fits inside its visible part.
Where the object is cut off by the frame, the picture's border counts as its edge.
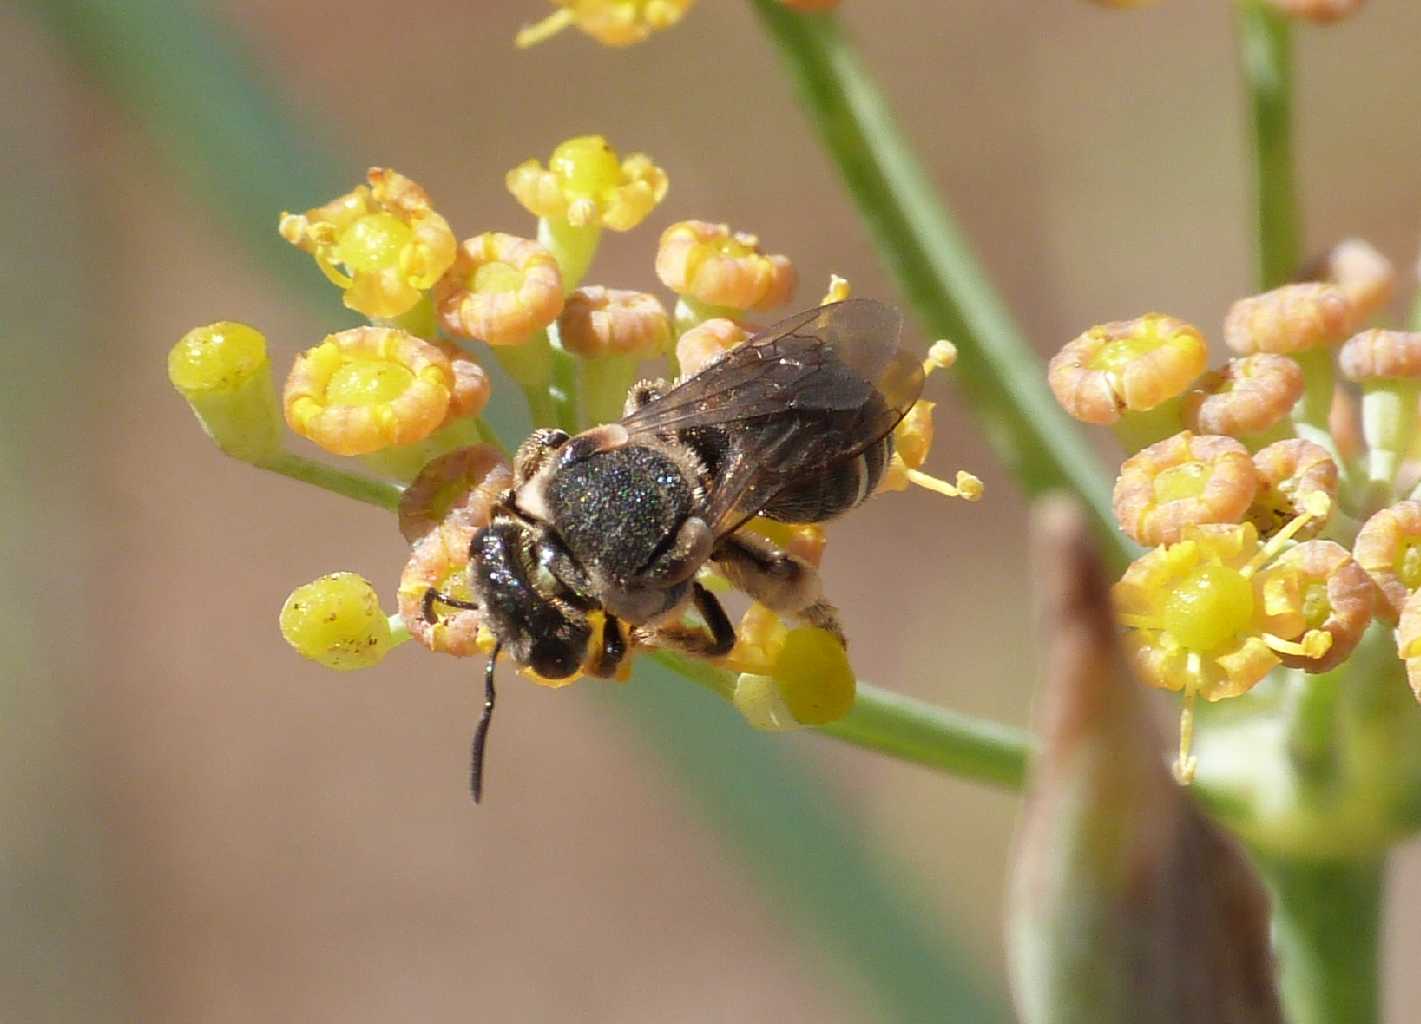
(1326, 922)
(1415, 323)
(566, 385)
(531, 365)
(904, 728)
(1003, 379)
(1265, 54)
(351, 485)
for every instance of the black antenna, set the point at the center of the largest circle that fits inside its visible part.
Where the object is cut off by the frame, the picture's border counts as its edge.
(476, 761)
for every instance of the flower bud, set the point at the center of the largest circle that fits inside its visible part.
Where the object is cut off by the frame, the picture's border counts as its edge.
(707, 341)
(224, 373)
(1293, 318)
(598, 321)
(336, 620)
(1365, 276)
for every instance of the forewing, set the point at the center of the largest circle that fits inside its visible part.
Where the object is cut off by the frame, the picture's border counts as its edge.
(807, 393)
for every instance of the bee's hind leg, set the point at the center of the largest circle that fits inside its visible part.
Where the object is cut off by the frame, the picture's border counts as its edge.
(714, 640)
(784, 583)
(642, 392)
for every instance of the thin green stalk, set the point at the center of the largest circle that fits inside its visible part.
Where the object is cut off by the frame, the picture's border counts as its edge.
(1265, 54)
(1003, 379)
(1416, 311)
(362, 488)
(1326, 925)
(905, 728)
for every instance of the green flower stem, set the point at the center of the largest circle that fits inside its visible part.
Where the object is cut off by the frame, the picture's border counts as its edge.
(1003, 379)
(605, 383)
(904, 728)
(1265, 54)
(566, 385)
(351, 485)
(1326, 922)
(531, 365)
(1415, 322)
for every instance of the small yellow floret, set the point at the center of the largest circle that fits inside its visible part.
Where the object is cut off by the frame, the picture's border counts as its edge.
(715, 266)
(1388, 547)
(1249, 395)
(501, 289)
(698, 347)
(586, 184)
(1180, 482)
(1133, 365)
(382, 244)
(610, 22)
(1289, 473)
(336, 620)
(368, 388)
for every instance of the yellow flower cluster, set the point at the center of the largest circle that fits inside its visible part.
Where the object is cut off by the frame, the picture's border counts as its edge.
(404, 391)
(1275, 536)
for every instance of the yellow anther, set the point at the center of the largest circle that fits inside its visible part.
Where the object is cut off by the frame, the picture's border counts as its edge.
(968, 487)
(941, 356)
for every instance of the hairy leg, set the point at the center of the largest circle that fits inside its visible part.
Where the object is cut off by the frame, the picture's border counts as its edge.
(785, 583)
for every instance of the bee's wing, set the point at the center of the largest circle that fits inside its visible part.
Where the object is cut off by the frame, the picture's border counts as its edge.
(804, 395)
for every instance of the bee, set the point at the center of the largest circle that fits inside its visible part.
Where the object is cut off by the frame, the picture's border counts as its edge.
(795, 424)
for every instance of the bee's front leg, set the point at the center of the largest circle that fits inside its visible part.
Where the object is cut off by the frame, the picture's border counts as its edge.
(714, 640)
(785, 583)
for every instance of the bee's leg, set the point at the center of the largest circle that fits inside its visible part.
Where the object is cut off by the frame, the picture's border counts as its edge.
(432, 596)
(608, 658)
(644, 391)
(785, 583)
(687, 553)
(714, 640)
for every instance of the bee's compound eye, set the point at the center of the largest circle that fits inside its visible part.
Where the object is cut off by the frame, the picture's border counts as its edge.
(554, 659)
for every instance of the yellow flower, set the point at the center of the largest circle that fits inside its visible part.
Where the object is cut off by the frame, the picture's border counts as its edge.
(599, 321)
(382, 243)
(501, 289)
(440, 559)
(1289, 473)
(913, 439)
(1132, 365)
(336, 620)
(1210, 616)
(1338, 598)
(789, 677)
(710, 264)
(463, 484)
(224, 373)
(1247, 396)
(368, 388)
(1388, 547)
(587, 184)
(610, 22)
(1180, 482)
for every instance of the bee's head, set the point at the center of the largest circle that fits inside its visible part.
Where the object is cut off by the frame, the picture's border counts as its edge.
(538, 630)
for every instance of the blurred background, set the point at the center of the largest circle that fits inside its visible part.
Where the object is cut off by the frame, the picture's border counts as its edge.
(198, 825)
